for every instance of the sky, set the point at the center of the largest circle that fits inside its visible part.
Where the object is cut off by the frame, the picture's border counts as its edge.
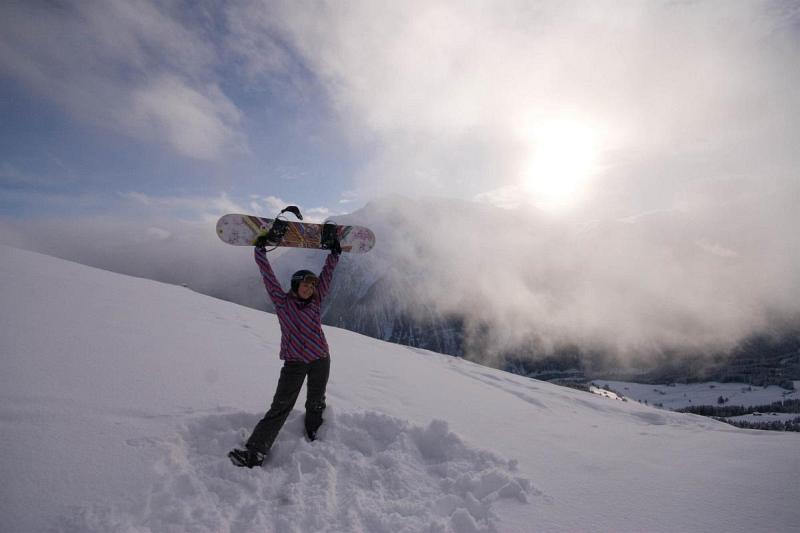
(681, 120)
(106, 106)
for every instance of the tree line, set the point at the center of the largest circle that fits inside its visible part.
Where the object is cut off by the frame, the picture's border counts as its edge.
(727, 411)
(723, 413)
(773, 425)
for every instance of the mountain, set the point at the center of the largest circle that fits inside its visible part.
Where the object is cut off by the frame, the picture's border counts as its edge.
(376, 294)
(120, 397)
(399, 293)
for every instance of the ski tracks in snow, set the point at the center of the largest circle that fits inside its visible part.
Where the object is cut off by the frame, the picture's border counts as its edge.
(367, 472)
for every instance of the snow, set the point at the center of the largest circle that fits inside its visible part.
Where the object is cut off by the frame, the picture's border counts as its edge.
(121, 396)
(605, 393)
(680, 395)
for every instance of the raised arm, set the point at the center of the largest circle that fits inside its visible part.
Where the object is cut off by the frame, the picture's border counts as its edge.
(274, 289)
(326, 275)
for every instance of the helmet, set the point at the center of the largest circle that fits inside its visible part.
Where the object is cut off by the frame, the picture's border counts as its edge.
(303, 275)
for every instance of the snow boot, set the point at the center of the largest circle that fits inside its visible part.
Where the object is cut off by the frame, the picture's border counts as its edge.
(246, 458)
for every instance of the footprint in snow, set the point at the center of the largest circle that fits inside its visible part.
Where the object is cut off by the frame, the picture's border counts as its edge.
(367, 472)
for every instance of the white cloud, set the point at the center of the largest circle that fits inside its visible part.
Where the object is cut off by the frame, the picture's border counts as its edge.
(442, 92)
(132, 66)
(510, 197)
(273, 204)
(190, 208)
(317, 214)
(197, 125)
(270, 206)
(157, 234)
(684, 126)
(716, 249)
(210, 208)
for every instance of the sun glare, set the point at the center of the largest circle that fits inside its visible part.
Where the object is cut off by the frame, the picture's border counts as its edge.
(563, 157)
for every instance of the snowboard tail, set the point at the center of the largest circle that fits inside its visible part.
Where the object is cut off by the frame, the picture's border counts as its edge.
(242, 230)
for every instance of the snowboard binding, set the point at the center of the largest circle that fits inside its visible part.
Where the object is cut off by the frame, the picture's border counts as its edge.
(274, 235)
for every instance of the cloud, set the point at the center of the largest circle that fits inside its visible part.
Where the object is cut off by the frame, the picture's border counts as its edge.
(445, 94)
(318, 214)
(10, 175)
(210, 208)
(158, 234)
(522, 281)
(166, 238)
(527, 283)
(646, 152)
(188, 208)
(134, 67)
(197, 125)
(272, 205)
(716, 249)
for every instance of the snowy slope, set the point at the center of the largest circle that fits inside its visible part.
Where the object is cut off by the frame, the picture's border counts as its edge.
(120, 397)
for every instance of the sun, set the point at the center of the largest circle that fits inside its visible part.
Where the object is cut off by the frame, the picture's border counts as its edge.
(563, 156)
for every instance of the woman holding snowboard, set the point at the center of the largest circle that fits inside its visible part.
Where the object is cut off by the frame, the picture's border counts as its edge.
(304, 352)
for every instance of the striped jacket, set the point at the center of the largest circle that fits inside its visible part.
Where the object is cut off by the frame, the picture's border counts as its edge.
(302, 338)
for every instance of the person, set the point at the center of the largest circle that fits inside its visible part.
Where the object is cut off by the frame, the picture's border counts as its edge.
(304, 352)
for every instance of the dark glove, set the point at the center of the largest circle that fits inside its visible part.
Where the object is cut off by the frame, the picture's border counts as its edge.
(261, 241)
(330, 238)
(336, 247)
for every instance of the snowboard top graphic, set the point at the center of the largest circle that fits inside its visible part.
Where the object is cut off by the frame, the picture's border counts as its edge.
(242, 230)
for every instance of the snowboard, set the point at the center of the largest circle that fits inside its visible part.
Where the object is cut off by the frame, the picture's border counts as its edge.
(242, 230)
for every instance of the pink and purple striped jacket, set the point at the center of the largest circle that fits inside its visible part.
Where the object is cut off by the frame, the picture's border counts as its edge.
(302, 338)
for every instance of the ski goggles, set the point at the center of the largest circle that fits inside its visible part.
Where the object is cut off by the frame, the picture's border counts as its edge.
(311, 279)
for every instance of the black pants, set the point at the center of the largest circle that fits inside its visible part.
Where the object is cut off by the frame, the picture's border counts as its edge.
(291, 381)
